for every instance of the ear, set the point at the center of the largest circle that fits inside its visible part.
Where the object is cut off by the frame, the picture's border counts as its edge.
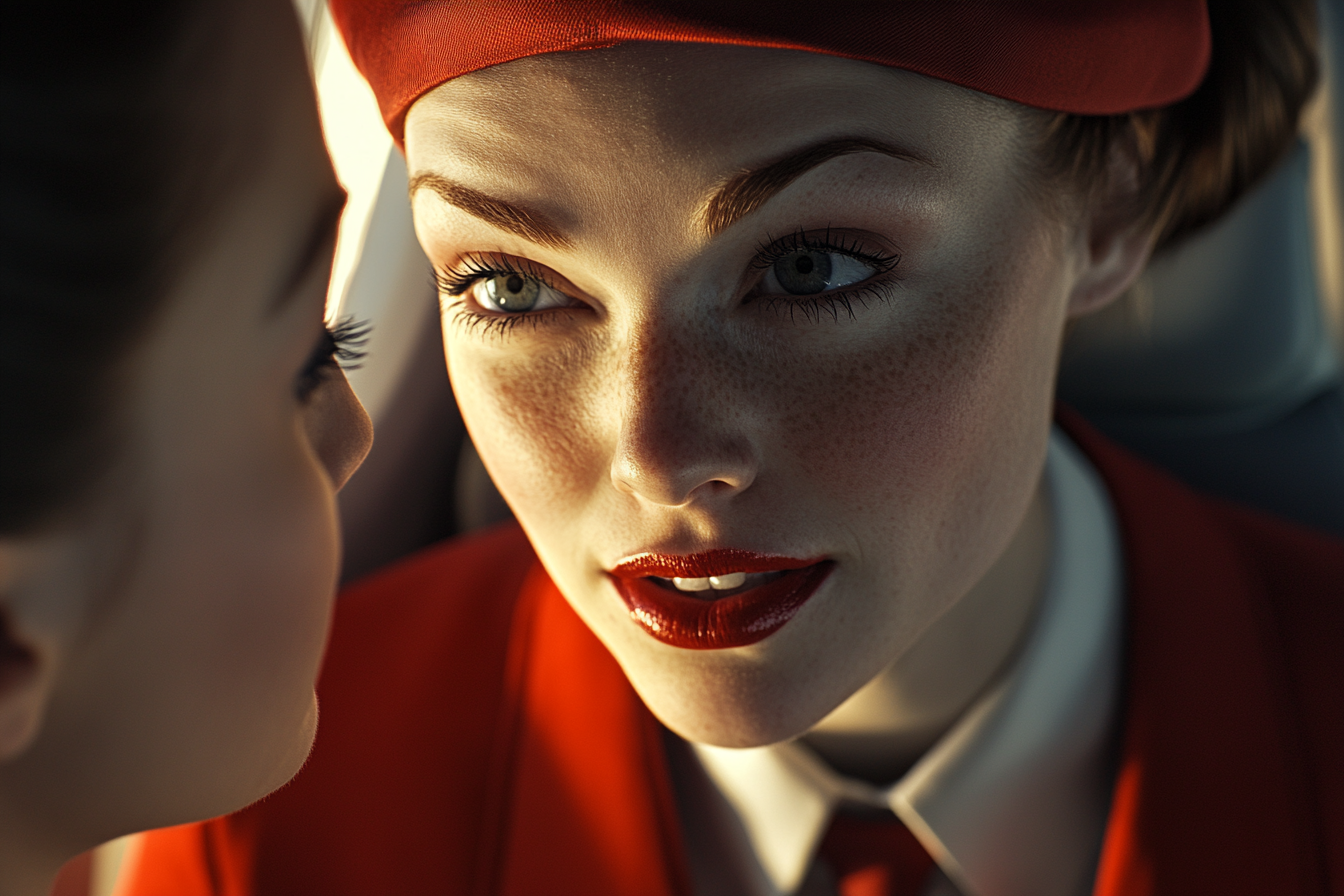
(24, 676)
(1118, 243)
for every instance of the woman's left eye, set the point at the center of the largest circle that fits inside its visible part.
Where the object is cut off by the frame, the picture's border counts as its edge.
(513, 293)
(808, 272)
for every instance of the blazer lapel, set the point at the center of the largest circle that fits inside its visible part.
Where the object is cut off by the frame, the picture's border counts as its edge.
(1210, 797)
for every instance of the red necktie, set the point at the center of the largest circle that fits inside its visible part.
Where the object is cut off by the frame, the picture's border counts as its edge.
(874, 856)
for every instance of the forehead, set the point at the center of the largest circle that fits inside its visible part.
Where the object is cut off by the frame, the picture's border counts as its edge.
(249, 149)
(697, 110)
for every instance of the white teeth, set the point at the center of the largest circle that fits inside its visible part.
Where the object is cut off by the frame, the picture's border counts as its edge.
(718, 583)
(731, 580)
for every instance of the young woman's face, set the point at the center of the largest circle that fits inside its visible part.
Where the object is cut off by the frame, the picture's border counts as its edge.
(847, 368)
(183, 612)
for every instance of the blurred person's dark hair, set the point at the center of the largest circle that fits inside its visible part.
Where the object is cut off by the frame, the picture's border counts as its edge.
(108, 157)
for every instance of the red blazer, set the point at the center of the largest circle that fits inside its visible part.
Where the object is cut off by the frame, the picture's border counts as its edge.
(476, 738)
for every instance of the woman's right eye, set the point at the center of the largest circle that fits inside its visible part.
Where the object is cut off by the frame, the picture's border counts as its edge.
(513, 293)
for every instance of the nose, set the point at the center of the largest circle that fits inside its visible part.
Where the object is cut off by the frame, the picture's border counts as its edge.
(339, 429)
(681, 436)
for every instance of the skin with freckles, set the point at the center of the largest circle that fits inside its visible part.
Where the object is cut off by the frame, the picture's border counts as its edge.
(161, 642)
(639, 381)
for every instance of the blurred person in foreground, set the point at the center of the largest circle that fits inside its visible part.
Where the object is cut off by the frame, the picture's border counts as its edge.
(176, 424)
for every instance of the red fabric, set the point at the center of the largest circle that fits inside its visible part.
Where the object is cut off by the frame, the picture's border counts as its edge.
(1232, 772)
(559, 786)
(1092, 57)
(476, 738)
(874, 857)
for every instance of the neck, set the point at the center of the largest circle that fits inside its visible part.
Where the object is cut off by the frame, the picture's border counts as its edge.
(889, 723)
(25, 871)
(37, 834)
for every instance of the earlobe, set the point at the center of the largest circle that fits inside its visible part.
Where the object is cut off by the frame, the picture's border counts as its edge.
(22, 700)
(23, 686)
(1119, 242)
(1114, 265)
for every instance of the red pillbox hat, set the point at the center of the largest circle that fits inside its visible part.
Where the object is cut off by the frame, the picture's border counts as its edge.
(1088, 57)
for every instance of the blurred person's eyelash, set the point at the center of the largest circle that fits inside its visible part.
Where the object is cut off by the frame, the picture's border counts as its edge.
(341, 345)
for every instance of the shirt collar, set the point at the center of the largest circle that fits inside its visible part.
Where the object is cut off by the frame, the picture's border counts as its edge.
(1012, 801)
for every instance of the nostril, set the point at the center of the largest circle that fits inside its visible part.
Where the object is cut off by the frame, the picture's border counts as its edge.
(674, 450)
(674, 486)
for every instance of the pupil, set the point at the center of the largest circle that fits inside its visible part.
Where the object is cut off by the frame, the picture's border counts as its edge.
(804, 273)
(513, 292)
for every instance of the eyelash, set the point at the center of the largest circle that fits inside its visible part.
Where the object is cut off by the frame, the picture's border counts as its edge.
(770, 251)
(340, 345)
(472, 270)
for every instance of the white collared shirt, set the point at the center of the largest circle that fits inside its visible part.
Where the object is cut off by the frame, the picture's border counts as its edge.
(1012, 801)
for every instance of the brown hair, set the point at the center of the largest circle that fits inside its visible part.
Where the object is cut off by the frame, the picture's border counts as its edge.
(1198, 156)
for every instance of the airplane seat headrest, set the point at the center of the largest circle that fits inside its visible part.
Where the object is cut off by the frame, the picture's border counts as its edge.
(1223, 332)
(1224, 364)
(1221, 365)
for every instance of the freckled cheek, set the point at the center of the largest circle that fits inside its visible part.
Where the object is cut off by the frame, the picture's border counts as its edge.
(536, 423)
(912, 418)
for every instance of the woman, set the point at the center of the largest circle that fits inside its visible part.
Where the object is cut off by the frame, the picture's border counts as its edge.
(176, 425)
(753, 314)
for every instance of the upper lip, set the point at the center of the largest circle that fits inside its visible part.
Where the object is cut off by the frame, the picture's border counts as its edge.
(718, 562)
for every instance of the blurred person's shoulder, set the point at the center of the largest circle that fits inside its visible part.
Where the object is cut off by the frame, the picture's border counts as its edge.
(397, 786)
(1180, 542)
(427, 620)
(465, 581)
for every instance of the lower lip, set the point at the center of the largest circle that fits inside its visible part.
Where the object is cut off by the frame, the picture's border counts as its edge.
(744, 618)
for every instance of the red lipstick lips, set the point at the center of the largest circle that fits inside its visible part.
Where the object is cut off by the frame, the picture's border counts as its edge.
(700, 620)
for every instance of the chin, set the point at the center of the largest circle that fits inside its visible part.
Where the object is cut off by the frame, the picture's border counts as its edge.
(180, 787)
(286, 758)
(736, 732)
(737, 711)
(301, 747)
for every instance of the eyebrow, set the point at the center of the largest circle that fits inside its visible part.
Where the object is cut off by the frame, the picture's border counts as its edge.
(316, 249)
(516, 219)
(740, 196)
(748, 191)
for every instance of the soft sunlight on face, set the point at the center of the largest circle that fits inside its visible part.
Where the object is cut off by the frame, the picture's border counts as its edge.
(859, 369)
